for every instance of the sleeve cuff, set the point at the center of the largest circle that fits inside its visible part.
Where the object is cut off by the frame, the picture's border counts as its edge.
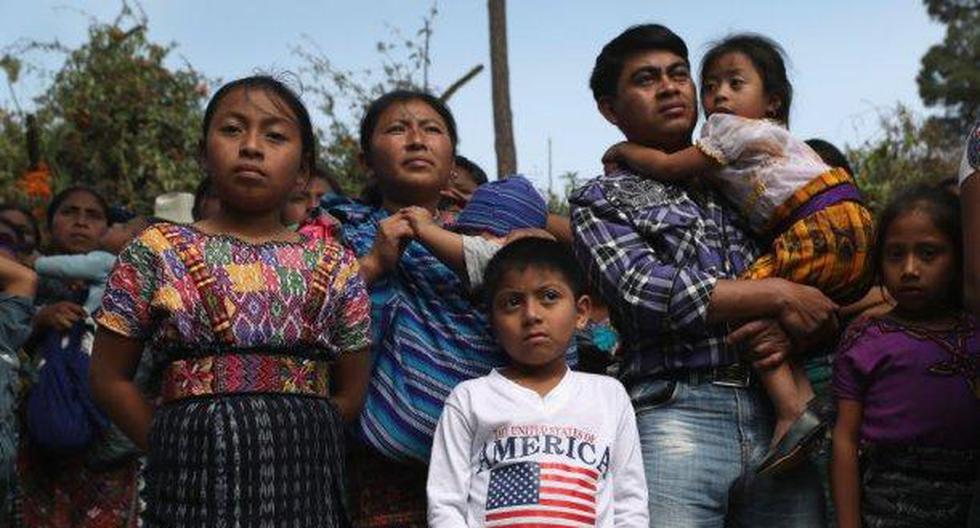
(711, 151)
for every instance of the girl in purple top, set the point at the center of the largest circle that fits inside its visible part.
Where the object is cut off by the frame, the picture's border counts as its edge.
(908, 386)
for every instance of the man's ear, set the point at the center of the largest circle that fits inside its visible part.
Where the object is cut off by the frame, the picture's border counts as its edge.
(606, 105)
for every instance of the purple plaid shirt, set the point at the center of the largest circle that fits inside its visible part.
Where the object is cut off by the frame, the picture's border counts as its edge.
(655, 252)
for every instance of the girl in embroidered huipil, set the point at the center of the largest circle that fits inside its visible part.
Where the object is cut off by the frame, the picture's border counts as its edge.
(811, 214)
(259, 333)
(908, 386)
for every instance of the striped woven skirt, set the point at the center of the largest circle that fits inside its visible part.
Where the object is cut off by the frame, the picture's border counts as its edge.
(907, 487)
(246, 460)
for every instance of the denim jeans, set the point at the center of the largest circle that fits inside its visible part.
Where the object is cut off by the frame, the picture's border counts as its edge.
(701, 445)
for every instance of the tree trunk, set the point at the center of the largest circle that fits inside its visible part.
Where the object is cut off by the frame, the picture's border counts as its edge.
(502, 119)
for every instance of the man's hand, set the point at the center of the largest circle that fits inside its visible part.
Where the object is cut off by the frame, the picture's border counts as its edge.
(766, 344)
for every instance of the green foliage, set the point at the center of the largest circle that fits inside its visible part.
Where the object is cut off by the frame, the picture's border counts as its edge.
(13, 152)
(909, 150)
(116, 117)
(950, 76)
(342, 94)
(558, 204)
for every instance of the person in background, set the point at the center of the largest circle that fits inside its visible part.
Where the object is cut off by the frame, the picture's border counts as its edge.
(573, 428)
(77, 219)
(906, 445)
(25, 222)
(969, 180)
(463, 182)
(830, 154)
(93, 267)
(301, 203)
(295, 210)
(322, 183)
(11, 239)
(17, 286)
(70, 489)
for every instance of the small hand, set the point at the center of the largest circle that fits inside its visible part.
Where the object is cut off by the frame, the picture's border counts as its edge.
(805, 313)
(612, 159)
(418, 218)
(766, 344)
(59, 316)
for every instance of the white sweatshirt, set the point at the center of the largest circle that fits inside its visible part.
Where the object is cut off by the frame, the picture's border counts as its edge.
(503, 455)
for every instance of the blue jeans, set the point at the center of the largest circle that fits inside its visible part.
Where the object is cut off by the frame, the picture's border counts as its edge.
(701, 445)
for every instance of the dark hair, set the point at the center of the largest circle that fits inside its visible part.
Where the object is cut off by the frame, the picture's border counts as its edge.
(532, 252)
(950, 185)
(66, 193)
(646, 37)
(30, 218)
(830, 154)
(282, 92)
(377, 107)
(321, 172)
(18, 243)
(943, 209)
(478, 174)
(769, 62)
(202, 191)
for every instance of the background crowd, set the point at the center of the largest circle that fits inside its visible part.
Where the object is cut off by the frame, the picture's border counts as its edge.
(269, 349)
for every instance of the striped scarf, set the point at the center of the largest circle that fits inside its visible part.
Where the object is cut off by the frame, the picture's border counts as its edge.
(426, 338)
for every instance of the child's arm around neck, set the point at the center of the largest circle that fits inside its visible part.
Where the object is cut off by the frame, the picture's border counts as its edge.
(444, 244)
(673, 167)
(16, 279)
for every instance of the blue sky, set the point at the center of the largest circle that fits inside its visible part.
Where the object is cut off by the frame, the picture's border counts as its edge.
(849, 60)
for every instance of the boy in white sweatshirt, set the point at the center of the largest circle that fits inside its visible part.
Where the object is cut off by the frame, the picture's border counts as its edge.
(535, 443)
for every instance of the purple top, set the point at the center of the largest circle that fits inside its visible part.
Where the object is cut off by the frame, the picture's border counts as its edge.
(917, 386)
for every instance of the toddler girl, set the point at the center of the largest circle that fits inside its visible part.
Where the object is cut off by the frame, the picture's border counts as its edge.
(819, 232)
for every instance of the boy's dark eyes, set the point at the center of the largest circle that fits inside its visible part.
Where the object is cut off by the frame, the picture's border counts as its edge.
(551, 295)
(510, 301)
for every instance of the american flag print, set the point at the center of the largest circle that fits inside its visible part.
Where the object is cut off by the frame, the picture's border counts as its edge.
(540, 495)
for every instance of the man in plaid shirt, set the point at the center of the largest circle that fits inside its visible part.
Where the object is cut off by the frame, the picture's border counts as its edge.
(666, 258)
